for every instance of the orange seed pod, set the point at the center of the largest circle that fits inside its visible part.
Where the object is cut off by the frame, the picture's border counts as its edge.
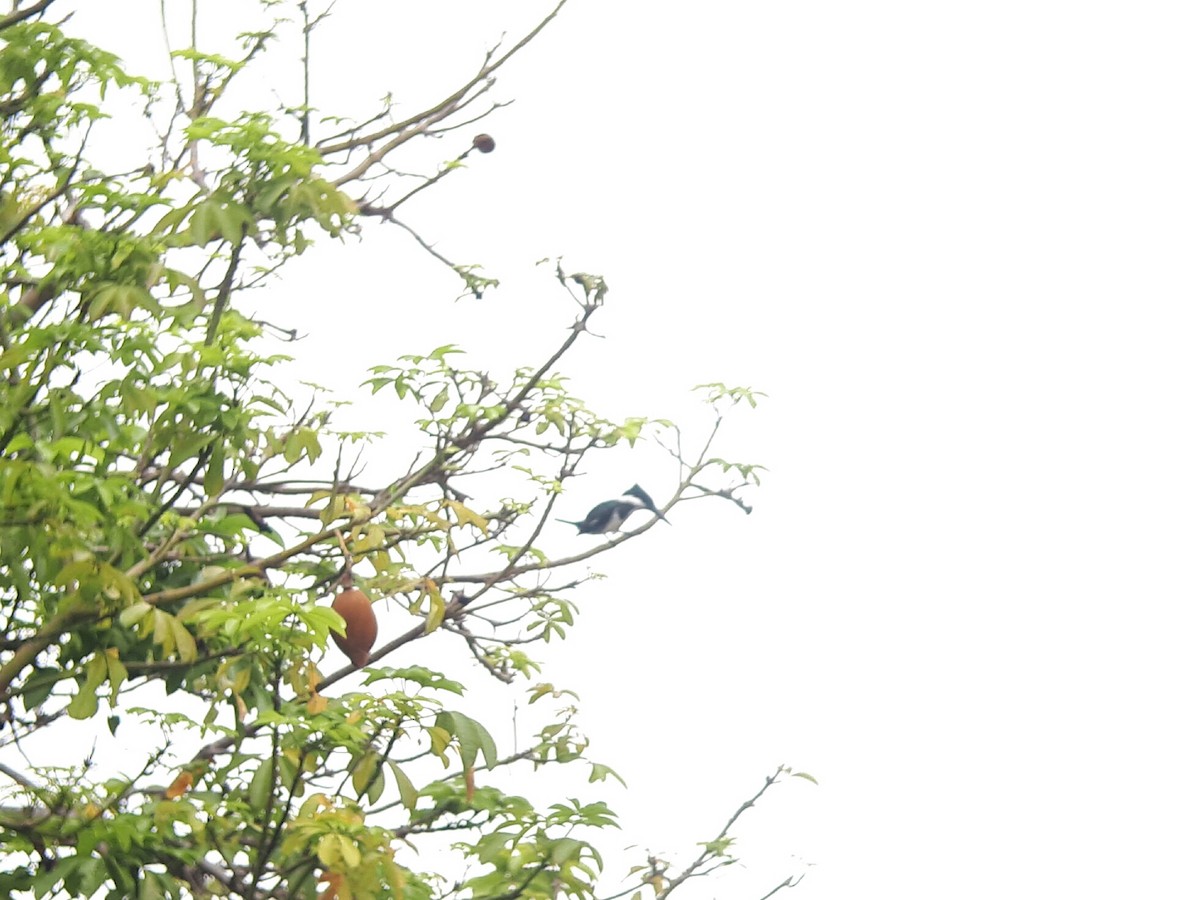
(361, 627)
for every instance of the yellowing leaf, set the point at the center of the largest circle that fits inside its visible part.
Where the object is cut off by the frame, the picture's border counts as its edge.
(364, 773)
(162, 631)
(184, 642)
(381, 562)
(327, 851)
(350, 853)
(134, 613)
(439, 740)
(371, 538)
(466, 516)
(395, 876)
(334, 880)
(181, 785)
(437, 607)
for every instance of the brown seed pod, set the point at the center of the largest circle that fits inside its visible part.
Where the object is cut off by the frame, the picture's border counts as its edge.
(361, 628)
(484, 143)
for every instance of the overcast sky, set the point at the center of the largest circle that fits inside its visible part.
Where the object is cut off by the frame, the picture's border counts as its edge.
(956, 244)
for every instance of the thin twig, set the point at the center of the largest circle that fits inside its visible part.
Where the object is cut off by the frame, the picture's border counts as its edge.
(706, 855)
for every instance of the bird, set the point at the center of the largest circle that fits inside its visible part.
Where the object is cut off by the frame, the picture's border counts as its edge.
(610, 515)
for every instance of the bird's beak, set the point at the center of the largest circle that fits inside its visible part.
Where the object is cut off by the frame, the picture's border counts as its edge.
(661, 516)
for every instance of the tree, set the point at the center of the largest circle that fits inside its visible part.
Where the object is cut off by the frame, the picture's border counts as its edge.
(172, 524)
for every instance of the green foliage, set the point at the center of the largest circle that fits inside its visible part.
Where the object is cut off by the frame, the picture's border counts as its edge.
(171, 526)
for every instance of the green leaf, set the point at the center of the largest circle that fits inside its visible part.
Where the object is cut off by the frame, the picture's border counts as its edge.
(149, 887)
(38, 686)
(203, 225)
(231, 218)
(375, 789)
(418, 675)
(365, 772)
(260, 786)
(18, 354)
(85, 703)
(602, 773)
(115, 672)
(170, 220)
(473, 738)
(565, 849)
(214, 477)
(408, 793)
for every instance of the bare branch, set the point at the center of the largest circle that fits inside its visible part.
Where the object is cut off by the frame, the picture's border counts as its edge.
(20, 15)
(707, 855)
(399, 133)
(790, 882)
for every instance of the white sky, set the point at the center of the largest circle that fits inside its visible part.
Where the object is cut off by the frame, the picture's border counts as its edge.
(956, 245)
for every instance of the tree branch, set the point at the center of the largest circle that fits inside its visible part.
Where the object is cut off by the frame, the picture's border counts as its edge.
(707, 854)
(20, 15)
(402, 132)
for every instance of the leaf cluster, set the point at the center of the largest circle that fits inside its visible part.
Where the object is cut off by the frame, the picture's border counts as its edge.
(172, 522)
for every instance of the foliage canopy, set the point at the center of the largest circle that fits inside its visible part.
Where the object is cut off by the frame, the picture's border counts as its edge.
(172, 525)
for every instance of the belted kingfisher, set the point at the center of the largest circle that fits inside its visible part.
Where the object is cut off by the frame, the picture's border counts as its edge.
(610, 515)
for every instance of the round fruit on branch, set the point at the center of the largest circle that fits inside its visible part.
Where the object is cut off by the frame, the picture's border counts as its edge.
(361, 627)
